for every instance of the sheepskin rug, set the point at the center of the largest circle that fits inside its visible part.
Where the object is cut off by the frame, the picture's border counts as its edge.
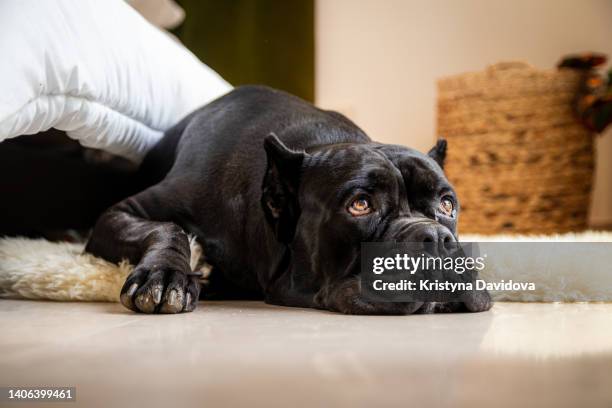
(39, 269)
(581, 274)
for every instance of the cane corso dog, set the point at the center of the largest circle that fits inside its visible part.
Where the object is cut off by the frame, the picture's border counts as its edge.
(280, 194)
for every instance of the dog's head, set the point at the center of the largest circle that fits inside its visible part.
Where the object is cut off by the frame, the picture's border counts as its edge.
(325, 202)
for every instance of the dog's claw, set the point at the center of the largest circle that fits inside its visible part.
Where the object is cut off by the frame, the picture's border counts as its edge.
(132, 289)
(157, 294)
(145, 303)
(172, 298)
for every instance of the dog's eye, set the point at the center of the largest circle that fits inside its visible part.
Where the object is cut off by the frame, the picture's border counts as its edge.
(447, 207)
(360, 206)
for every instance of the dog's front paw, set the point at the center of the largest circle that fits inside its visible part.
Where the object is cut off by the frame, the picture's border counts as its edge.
(160, 289)
(478, 301)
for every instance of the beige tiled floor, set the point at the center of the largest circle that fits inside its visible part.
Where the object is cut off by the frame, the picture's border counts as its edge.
(251, 354)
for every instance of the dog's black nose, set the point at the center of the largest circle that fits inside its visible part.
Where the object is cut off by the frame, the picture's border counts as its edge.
(434, 236)
(422, 231)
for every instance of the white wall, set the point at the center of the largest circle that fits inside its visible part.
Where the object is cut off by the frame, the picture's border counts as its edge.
(377, 60)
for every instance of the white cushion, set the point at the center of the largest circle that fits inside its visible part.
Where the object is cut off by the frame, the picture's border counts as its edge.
(97, 70)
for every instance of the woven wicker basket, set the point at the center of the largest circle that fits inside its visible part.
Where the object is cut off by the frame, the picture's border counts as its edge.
(517, 156)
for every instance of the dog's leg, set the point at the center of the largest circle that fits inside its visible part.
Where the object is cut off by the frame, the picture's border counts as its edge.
(138, 230)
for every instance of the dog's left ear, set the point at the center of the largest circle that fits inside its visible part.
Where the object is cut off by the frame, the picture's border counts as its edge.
(438, 152)
(280, 185)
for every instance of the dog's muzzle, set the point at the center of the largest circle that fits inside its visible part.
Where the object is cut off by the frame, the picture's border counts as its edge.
(422, 231)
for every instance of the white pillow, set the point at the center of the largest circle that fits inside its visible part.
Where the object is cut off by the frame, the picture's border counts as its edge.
(97, 70)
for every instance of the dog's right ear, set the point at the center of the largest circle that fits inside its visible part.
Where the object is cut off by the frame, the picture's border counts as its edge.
(280, 185)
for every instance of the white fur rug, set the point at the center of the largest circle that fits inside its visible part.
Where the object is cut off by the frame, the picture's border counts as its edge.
(582, 274)
(38, 269)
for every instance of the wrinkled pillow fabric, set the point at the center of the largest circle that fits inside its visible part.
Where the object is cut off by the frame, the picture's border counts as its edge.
(97, 70)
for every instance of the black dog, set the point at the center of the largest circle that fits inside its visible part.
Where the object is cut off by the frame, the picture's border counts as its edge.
(280, 194)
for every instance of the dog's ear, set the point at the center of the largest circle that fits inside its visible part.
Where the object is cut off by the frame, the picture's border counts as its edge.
(280, 185)
(438, 152)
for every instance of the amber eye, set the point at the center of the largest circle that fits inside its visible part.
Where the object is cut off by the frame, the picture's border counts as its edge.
(360, 206)
(447, 207)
